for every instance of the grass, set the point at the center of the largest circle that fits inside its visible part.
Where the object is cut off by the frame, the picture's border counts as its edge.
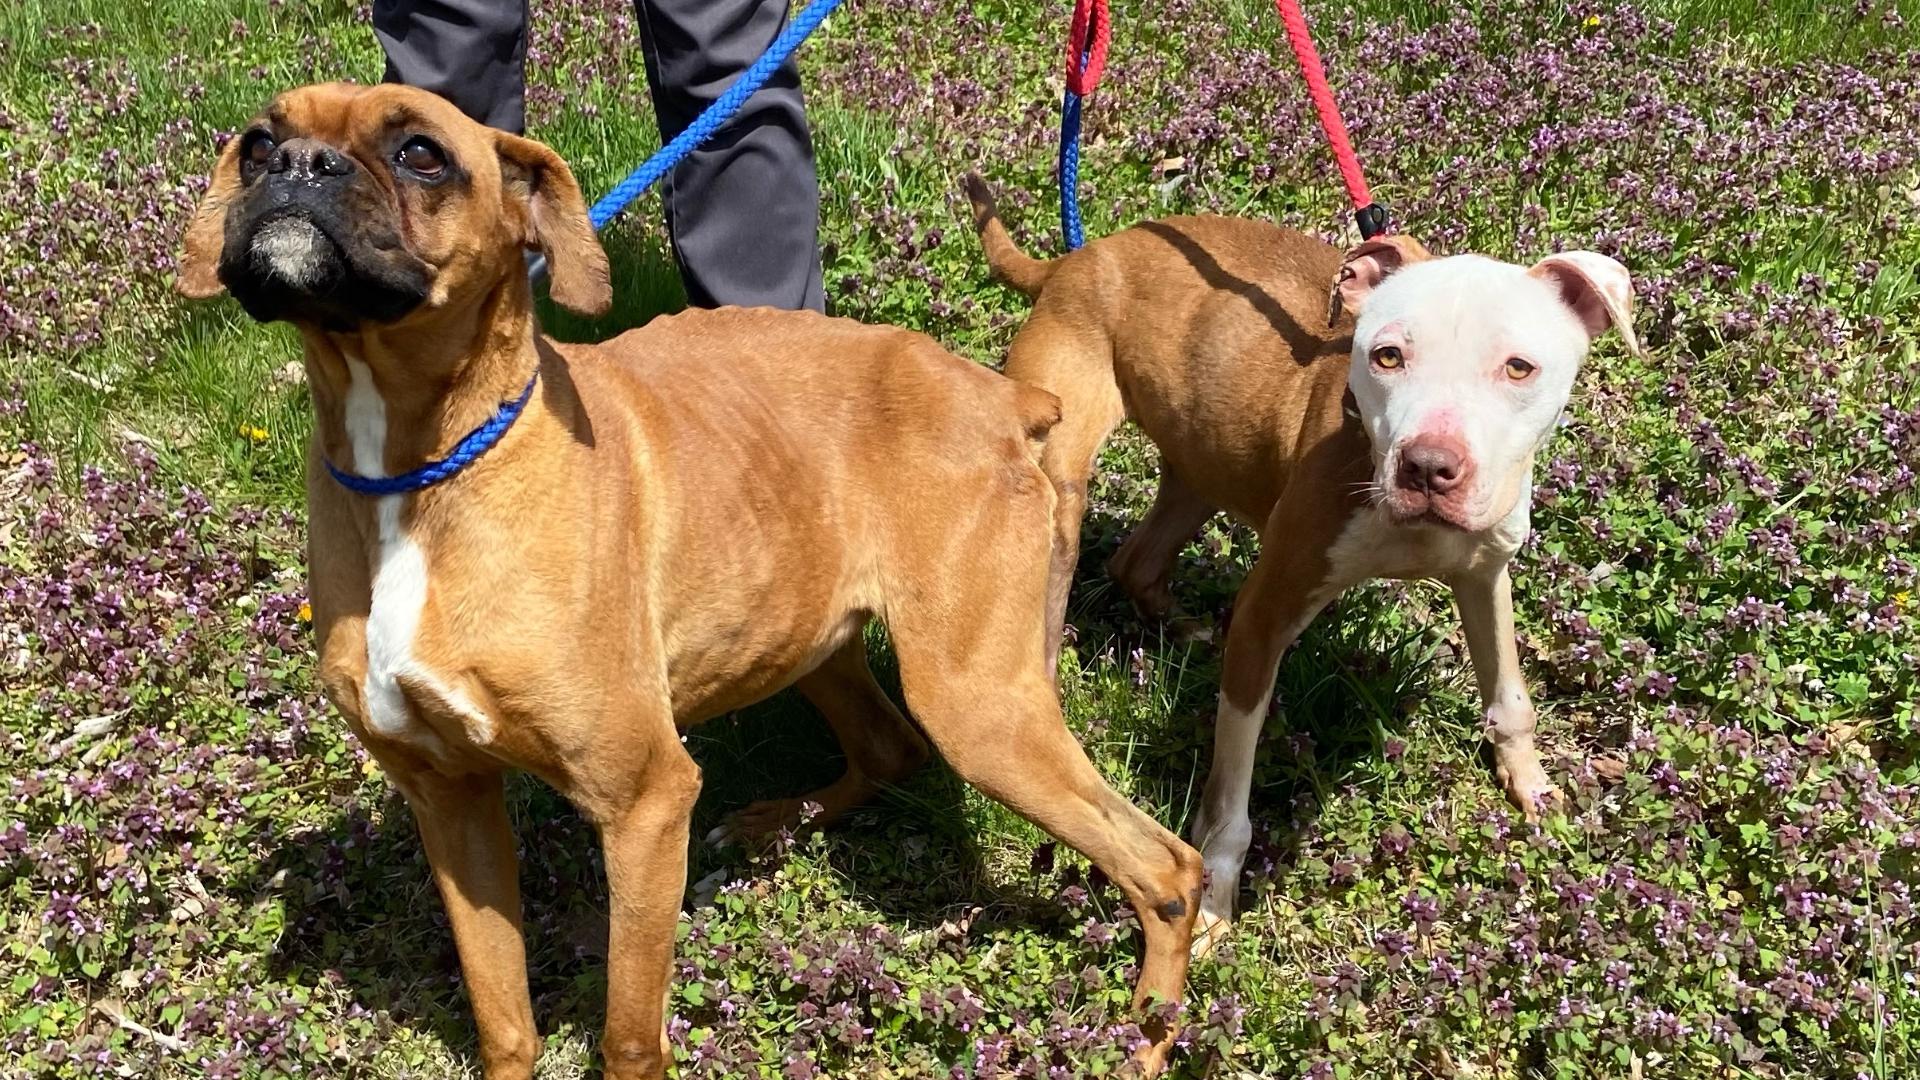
(297, 933)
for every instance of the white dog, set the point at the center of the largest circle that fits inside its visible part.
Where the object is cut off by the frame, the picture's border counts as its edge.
(1391, 437)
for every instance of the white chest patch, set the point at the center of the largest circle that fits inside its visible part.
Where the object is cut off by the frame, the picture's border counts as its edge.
(399, 567)
(1372, 547)
(399, 588)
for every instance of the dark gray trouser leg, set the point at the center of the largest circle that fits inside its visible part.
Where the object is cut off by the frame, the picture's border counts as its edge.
(744, 210)
(471, 52)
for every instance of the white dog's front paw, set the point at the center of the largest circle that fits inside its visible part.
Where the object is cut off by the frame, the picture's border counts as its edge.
(1526, 783)
(1210, 929)
(1223, 840)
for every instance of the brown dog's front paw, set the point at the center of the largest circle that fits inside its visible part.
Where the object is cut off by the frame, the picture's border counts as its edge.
(764, 826)
(1187, 629)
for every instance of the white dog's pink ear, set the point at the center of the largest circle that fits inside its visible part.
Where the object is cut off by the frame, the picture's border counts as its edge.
(1597, 288)
(1367, 266)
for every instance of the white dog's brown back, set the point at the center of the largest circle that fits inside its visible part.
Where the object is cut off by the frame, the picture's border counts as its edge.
(1219, 352)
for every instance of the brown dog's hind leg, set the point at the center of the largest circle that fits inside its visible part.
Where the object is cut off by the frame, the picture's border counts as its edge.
(1144, 564)
(463, 825)
(1074, 362)
(1005, 736)
(969, 663)
(882, 749)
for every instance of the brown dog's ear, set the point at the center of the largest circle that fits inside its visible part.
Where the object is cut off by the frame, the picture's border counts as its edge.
(1367, 266)
(1597, 288)
(198, 273)
(557, 224)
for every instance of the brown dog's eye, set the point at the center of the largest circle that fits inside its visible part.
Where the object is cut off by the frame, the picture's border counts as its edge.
(421, 157)
(1387, 357)
(257, 150)
(1518, 369)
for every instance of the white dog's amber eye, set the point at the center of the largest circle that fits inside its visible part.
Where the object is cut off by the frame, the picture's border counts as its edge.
(1387, 357)
(1518, 369)
(421, 157)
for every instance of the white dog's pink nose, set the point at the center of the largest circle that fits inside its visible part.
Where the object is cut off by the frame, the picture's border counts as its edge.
(1433, 465)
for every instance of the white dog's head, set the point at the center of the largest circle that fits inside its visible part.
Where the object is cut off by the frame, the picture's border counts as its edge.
(1462, 365)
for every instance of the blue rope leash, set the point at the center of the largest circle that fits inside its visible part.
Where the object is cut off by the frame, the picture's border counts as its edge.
(1087, 39)
(478, 441)
(710, 120)
(1070, 226)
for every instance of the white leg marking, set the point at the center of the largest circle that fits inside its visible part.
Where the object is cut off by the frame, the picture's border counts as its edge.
(1486, 613)
(1223, 831)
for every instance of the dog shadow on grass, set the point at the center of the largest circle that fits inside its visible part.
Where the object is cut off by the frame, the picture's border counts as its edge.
(362, 913)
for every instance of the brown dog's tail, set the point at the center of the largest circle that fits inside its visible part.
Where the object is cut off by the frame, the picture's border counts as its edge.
(1004, 258)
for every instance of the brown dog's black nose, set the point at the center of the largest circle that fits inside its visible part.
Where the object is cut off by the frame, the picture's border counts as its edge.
(1433, 465)
(308, 160)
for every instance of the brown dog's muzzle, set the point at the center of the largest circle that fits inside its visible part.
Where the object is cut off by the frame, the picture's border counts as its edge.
(315, 238)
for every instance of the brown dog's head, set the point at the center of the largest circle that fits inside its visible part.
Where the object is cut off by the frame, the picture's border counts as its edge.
(344, 204)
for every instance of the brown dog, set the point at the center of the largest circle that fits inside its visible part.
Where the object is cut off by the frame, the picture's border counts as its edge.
(680, 522)
(1391, 436)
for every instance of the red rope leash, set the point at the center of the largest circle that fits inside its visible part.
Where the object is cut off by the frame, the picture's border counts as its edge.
(1087, 46)
(1086, 59)
(1372, 218)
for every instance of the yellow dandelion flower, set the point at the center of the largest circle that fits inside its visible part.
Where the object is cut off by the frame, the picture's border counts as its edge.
(254, 435)
(1900, 599)
(306, 612)
(1591, 22)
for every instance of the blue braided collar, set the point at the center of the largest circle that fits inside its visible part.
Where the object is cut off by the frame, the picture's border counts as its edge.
(477, 442)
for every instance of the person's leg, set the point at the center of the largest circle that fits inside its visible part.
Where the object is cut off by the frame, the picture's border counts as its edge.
(743, 211)
(471, 52)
